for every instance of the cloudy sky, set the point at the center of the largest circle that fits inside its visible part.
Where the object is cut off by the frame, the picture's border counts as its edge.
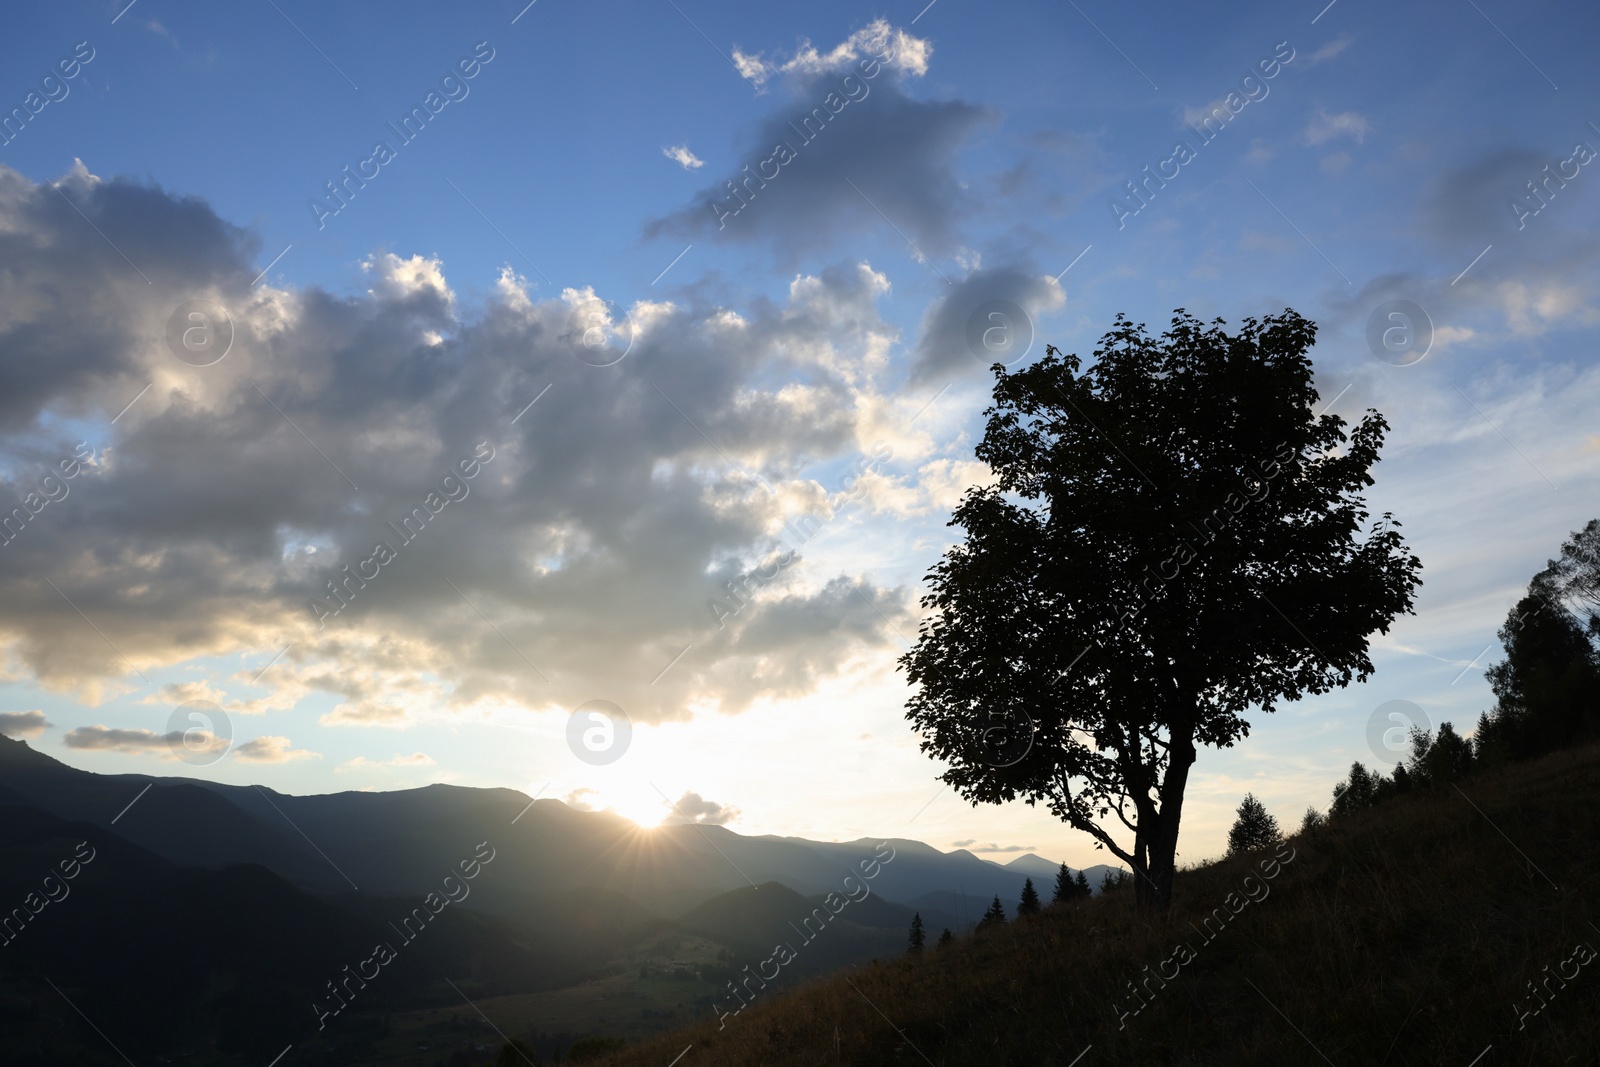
(619, 302)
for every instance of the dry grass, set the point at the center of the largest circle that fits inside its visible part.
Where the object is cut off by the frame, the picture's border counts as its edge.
(1404, 936)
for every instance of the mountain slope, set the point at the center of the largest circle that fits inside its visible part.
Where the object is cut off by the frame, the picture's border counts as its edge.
(1409, 934)
(398, 842)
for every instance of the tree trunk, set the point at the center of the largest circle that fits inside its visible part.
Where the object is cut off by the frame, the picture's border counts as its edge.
(1158, 849)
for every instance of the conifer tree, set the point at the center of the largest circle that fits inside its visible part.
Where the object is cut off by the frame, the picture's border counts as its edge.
(917, 936)
(1029, 904)
(1312, 820)
(1254, 828)
(1082, 886)
(946, 937)
(995, 916)
(1065, 890)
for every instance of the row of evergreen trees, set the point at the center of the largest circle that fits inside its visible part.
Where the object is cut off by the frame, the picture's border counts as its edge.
(1547, 690)
(1068, 888)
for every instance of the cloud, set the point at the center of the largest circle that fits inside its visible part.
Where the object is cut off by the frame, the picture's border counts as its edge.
(684, 158)
(416, 759)
(594, 531)
(271, 749)
(965, 843)
(961, 335)
(693, 808)
(992, 847)
(22, 723)
(1325, 127)
(1329, 50)
(843, 153)
(118, 739)
(908, 55)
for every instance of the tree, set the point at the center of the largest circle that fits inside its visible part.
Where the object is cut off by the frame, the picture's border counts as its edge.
(1253, 828)
(917, 937)
(995, 916)
(1437, 761)
(1111, 880)
(1029, 904)
(1081, 884)
(1171, 538)
(1354, 793)
(1312, 820)
(1548, 687)
(946, 937)
(1065, 890)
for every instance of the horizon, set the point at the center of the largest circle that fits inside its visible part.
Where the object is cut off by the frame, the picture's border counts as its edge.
(545, 281)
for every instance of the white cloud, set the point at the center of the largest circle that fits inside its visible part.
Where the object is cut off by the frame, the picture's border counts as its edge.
(684, 158)
(906, 53)
(1325, 126)
(693, 808)
(416, 759)
(272, 749)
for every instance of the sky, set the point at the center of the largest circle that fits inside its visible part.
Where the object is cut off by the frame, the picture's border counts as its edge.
(620, 302)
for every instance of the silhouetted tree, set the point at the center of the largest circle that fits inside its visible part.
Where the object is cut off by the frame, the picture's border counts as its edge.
(1437, 761)
(1312, 820)
(917, 937)
(1354, 793)
(1253, 828)
(1081, 884)
(1029, 904)
(946, 937)
(1172, 537)
(995, 916)
(1065, 890)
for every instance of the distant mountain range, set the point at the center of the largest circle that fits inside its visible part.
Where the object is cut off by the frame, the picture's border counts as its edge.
(403, 842)
(212, 917)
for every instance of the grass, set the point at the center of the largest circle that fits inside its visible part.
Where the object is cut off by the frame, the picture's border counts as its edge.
(1406, 935)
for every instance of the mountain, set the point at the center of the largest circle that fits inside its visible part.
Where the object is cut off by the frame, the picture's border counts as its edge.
(1442, 926)
(402, 842)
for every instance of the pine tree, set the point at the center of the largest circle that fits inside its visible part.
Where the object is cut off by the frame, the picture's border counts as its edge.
(995, 916)
(946, 937)
(917, 936)
(1313, 820)
(1254, 828)
(1065, 890)
(1081, 885)
(1029, 904)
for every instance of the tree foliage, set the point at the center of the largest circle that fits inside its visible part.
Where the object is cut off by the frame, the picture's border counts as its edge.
(1253, 827)
(1029, 904)
(994, 916)
(1172, 538)
(918, 936)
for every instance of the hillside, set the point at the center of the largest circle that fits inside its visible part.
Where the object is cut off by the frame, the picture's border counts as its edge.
(1407, 934)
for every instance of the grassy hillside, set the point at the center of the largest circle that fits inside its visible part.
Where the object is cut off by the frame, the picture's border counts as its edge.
(1408, 934)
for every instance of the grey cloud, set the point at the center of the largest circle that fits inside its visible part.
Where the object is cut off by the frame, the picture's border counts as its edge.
(22, 723)
(951, 345)
(581, 551)
(899, 152)
(693, 808)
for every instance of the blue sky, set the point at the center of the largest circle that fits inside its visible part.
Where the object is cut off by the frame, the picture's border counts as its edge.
(569, 179)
